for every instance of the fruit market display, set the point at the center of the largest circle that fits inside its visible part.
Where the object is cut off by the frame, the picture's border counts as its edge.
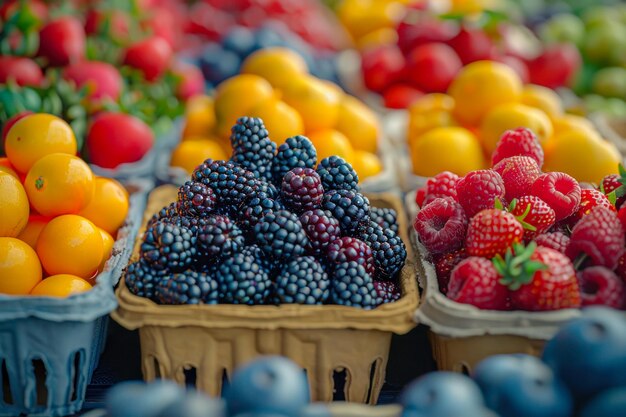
(58, 218)
(272, 225)
(275, 85)
(514, 237)
(456, 131)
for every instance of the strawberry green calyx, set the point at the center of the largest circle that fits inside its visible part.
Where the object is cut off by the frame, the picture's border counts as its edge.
(521, 218)
(517, 268)
(619, 191)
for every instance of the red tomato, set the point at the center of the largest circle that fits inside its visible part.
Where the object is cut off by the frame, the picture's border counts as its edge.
(382, 67)
(105, 79)
(556, 66)
(472, 45)
(401, 96)
(418, 29)
(24, 71)
(62, 41)
(117, 138)
(432, 67)
(151, 56)
(192, 80)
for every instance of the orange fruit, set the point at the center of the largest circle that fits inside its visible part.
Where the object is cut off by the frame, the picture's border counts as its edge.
(107, 243)
(236, 96)
(20, 269)
(60, 184)
(360, 17)
(452, 149)
(33, 229)
(276, 65)
(189, 154)
(35, 136)
(14, 208)
(366, 164)
(5, 166)
(331, 142)
(568, 122)
(481, 86)
(511, 116)
(359, 123)
(109, 206)
(542, 98)
(61, 285)
(70, 244)
(316, 101)
(281, 120)
(428, 112)
(199, 116)
(378, 37)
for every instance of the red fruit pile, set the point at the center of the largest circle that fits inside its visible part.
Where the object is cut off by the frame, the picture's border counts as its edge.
(515, 238)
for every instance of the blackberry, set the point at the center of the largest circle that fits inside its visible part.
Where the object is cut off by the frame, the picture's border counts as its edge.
(218, 238)
(252, 147)
(167, 246)
(302, 281)
(350, 208)
(347, 249)
(353, 286)
(165, 213)
(387, 247)
(280, 235)
(337, 174)
(254, 208)
(194, 224)
(321, 228)
(386, 218)
(188, 287)
(388, 291)
(141, 279)
(195, 199)
(297, 151)
(267, 263)
(241, 280)
(302, 190)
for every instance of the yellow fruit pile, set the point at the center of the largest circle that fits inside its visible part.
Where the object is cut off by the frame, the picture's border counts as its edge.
(275, 86)
(57, 219)
(458, 131)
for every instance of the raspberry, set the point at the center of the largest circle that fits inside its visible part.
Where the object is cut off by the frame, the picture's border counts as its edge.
(167, 246)
(441, 185)
(348, 249)
(296, 152)
(441, 226)
(321, 228)
(252, 147)
(601, 286)
(598, 235)
(518, 175)
(241, 280)
(302, 190)
(478, 190)
(195, 199)
(444, 264)
(352, 286)
(388, 291)
(337, 174)
(475, 281)
(518, 142)
(387, 248)
(589, 199)
(220, 237)
(420, 196)
(141, 279)
(554, 240)
(189, 287)
(350, 208)
(560, 191)
(280, 235)
(302, 281)
(386, 218)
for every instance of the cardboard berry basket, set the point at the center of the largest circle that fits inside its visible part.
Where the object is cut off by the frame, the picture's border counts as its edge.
(200, 344)
(49, 347)
(462, 335)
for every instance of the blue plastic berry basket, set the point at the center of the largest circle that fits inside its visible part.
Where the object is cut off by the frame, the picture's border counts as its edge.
(49, 347)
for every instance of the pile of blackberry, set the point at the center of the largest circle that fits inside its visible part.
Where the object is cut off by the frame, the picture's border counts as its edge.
(273, 225)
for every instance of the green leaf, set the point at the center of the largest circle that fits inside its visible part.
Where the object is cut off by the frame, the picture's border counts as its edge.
(612, 196)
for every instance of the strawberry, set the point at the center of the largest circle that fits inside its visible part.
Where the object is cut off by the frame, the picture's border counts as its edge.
(621, 215)
(518, 174)
(539, 279)
(441, 225)
(534, 214)
(601, 286)
(476, 281)
(554, 240)
(62, 41)
(151, 56)
(518, 142)
(104, 79)
(492, 232)
(441, 185)
(589, 199)
(614, 186)
(21, 70)
(479, 190)
(560, 191)
(599, 236)
(420, 196)
(444, 265)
